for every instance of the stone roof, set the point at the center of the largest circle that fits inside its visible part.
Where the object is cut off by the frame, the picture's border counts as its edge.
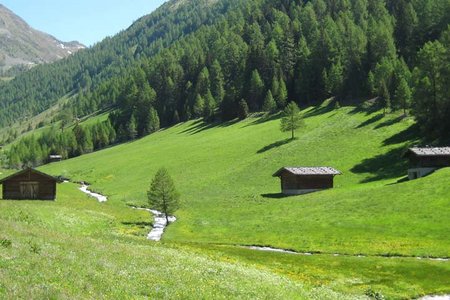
(430, 151)
(308, 171)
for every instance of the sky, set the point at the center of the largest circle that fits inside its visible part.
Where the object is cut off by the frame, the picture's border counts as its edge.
(86, 21)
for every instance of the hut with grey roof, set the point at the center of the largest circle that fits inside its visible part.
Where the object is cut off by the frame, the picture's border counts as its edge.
(302, 180)
(423, 161)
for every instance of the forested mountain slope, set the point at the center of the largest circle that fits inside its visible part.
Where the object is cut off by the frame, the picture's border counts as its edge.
(22, 47)
(213, 59)
(37, 90)
(219, 59)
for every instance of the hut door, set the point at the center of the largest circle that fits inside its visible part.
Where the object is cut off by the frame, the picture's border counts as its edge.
(29, 190)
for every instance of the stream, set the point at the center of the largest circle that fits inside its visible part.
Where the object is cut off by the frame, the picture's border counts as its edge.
(270, 249)
(159, 223)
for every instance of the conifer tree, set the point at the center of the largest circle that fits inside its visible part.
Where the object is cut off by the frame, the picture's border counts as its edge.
(403, 95)
(292, 119)
(217, 82)
(162, 195)
(210, 105)
(132, 128)
(282, 96)
(269, 103)
(203, 82)
(256, 90)
(199, 106)
(385, 97)
(176, 117)
(242, 109)
(153, 121)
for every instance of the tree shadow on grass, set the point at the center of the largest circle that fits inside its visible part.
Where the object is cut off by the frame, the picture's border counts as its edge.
(372, 120)
(265, 118)
(390, 122)
(412, 133)
(384, 166)
(276, 195)
(274, 145)
(321, 109)
(368, 107)
(401, 180)
(200, 125)
(391, 164)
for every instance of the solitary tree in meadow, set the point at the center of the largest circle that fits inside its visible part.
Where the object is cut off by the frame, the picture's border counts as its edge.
(162, 195)
(292, 119)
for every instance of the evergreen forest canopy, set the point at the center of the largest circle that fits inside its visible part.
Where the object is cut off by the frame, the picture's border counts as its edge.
(204, 58)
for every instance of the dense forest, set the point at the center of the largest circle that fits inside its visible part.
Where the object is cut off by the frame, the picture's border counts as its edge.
(210, 59)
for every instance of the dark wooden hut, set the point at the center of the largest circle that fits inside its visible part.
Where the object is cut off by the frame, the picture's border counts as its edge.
(423, 161)
(302, 180)
(29, 184)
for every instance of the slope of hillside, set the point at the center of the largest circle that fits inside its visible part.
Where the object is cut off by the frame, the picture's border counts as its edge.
(229, 196)
(229, 199)
(23, 46)
(77, 248)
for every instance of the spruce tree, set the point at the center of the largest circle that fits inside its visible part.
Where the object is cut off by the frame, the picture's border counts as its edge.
(256, 90)
(153, 121)
(269, 103)
(282, 96)
(292, 119)
(217, 82)
(385, 97)
(203, 82)
(176, 117)
(199, 106)
(210, 105)
(242, 109)
(403, 95)
(162, 195)
(132, 128)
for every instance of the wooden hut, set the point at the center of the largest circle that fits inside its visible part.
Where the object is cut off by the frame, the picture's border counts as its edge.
(54, 158)
(29, 184)
(302, 180)
(423, 161)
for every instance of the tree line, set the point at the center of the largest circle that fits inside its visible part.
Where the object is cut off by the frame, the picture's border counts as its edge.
(32, 151)
(220, 61)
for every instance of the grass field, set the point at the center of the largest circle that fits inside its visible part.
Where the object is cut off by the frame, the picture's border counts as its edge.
(229, 198)
(78, 248)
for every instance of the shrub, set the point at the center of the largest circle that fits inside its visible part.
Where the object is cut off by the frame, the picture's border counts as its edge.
(5, 243)
(34, 247)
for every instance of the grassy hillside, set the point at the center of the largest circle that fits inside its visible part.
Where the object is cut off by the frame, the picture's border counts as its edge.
(224, 176)
(229, 198)
(78, 248)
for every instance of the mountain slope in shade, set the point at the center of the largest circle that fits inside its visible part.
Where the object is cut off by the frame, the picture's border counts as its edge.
(22, 46)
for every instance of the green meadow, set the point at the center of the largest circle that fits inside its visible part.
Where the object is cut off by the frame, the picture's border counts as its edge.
(230, 200)
(76, 248)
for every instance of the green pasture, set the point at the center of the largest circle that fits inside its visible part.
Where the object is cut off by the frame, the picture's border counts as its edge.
(230, 200)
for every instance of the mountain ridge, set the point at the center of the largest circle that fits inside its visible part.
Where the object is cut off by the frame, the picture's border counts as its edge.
(22, 46)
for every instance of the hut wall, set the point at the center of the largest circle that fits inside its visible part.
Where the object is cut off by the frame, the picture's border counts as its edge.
(295, 182)
(17, 188)
(429, 161)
